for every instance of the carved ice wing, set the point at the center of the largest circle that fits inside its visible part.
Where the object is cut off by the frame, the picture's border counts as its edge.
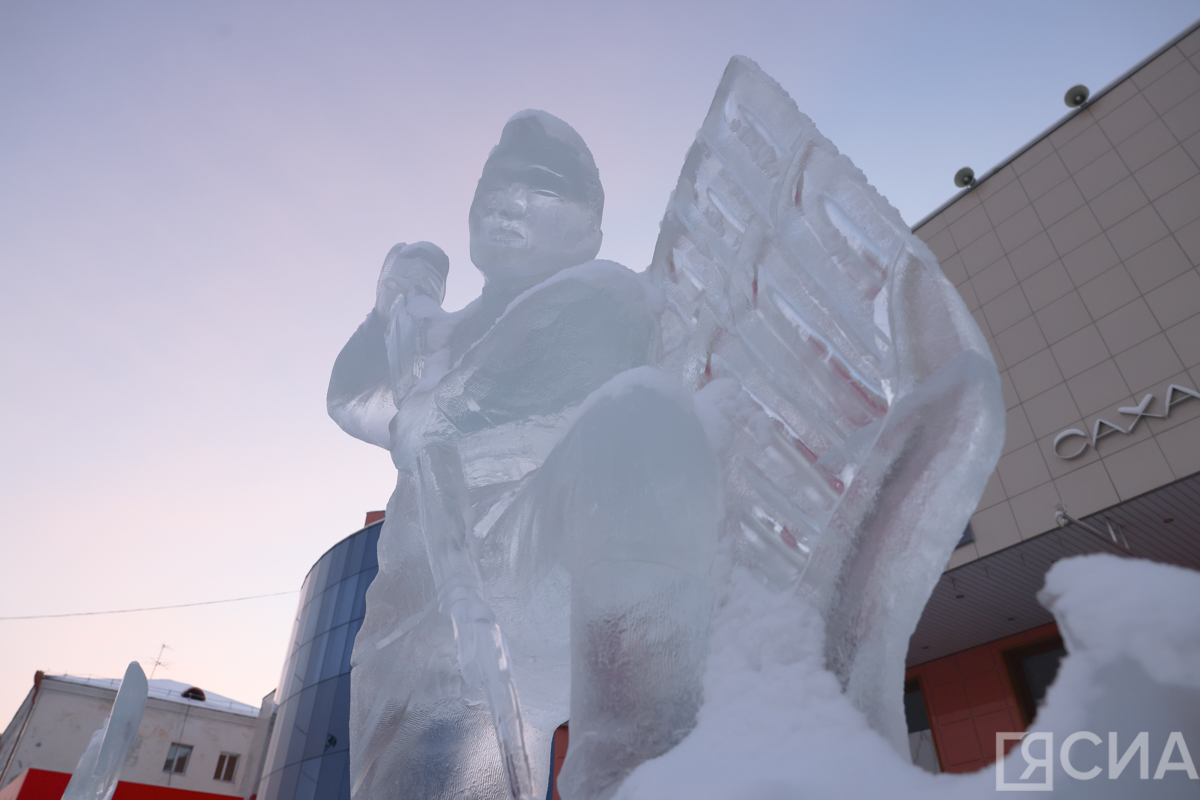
(786, 270)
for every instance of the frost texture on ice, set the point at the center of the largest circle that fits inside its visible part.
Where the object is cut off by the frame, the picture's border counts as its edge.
(99, 768)
(587, 457)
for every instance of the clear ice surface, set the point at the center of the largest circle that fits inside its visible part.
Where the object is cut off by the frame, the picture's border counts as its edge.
(99, 768)
(588, 458)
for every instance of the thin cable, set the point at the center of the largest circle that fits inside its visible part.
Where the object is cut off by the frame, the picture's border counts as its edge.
(148, 608)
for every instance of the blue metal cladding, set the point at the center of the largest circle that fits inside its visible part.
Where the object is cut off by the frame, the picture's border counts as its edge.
(309, 754)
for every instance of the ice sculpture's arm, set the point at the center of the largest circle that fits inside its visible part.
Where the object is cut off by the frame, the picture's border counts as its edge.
(482, 655)
(360, 397)
(549, 352)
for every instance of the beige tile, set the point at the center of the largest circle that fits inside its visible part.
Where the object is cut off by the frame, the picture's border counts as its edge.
(1184, 119)
(1017, 432)
(1007, 391)
(1176, 301)
(963, 555)
(1173, 88)
(930, 228)
(1190, 44)
(1047, 174)
(942, 245)
(1119, 202)
(1034, 510)
(1180, 206)
(1182, 448)
(1047, 286)
(993, 492)
(1137, 469)
(981, 253)
(1157, 264)
(1146, 364)
(1192, 146)
(994, 281)
(967, 293)
(1146, 145)
(1058, 203)
(1188, 238)
(1035, 375)
(953, 269)
(1052, 411)
(1090, 260)
(1084, 148)
(1128, 325)
(1079, 124)
(1109, 292)
(1186, 339)
(1101, 174)
(994, 529)
(1022, 469)
(1136, 232)
(1165, 172)
(1073, 230)
(1086, 491)
(972, 225)
(1033, 157)
(1080, 351)
(1098, 387)
(1063, 317)
(1006, 310)
(960, 207)
(1157, 68)
(1131, 117)
(1113, 99)
(1033, 255)
(1019, 228)
(995, 182)
(1005, 201)
(1020, 341)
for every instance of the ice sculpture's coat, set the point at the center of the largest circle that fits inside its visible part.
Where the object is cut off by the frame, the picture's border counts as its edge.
(585, 453)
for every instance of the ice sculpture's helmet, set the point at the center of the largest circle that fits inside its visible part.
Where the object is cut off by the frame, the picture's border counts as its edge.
(539, 202)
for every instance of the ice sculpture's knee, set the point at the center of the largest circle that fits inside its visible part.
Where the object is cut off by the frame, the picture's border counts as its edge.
(645, 486)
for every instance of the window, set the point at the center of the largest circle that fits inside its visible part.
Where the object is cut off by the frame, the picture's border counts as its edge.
(177, 758)
(1031, 670)
(226, 766)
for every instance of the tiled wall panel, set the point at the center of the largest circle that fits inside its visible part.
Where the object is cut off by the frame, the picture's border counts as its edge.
(1080, 260)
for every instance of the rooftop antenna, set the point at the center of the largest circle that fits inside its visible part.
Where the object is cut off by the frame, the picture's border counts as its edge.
(158, 662)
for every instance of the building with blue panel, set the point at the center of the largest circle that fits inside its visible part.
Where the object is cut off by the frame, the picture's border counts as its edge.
(309, 752)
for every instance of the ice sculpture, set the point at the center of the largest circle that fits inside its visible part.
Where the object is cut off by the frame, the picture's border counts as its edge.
(99, 768)
(588, 457)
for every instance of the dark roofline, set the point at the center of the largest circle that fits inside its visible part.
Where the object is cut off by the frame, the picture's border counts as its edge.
(1069, 115)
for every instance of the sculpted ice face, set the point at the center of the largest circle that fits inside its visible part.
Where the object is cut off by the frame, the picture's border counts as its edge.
(539, 203)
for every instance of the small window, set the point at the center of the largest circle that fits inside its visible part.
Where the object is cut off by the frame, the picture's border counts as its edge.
(1031, 670)
(177, 758)
(194, 693)
(226, 766)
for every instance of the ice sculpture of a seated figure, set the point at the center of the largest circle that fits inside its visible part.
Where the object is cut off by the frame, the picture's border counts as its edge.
(535, 541)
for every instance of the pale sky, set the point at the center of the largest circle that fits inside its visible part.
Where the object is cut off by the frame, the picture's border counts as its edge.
(195, 200)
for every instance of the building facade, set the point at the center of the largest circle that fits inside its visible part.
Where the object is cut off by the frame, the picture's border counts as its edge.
(1078, 257)
(190, 743)
(309, 752)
